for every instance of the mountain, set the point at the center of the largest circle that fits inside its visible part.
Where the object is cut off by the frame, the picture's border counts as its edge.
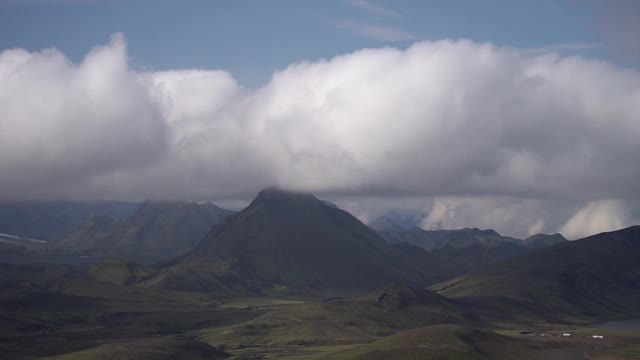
(461, 238)
(598, 276)
(427, 240)
(18, 245)
(294, 242)
(397, 220)
(449, 262)
(89, 235)
(157, 231)
(46, 220)
(436, 239)
(542, 240)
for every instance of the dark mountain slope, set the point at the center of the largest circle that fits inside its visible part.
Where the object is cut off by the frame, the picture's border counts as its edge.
(416, 236)
(542, 240)
(436, 239)
(292, 240)
(89, 235)
(596, 276)
(157, 231)
(396, 220)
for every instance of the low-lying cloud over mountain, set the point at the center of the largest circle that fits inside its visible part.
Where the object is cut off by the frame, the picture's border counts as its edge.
(553, 138)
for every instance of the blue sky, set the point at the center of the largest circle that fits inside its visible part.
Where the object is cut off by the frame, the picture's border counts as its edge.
(253, 38)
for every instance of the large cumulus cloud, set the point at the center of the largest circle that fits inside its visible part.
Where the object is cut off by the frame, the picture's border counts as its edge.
(62, 124)
(445, 119)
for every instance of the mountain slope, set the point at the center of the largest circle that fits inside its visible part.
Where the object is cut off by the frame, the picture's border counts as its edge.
(437, 342)
(461, 238)
(158, 348)
(427, 240)
(596, 276)
(542, 240)
(359, 319)
(294, 241)
(48, 220)
(156, 231)
(437, 239)
(89, 235)
(396, 220)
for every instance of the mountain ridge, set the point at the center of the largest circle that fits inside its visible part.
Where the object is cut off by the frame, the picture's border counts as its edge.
(595, 276)
(295, 241)
(158, 230)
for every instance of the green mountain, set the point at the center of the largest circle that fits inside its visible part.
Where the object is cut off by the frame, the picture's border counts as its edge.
(364, 318)
(293, 242)
(156, 231)
(598, 276)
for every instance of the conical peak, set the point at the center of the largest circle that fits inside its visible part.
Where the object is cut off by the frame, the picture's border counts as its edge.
(275, 195)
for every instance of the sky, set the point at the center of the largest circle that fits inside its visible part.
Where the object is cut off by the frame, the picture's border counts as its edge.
(518, 116)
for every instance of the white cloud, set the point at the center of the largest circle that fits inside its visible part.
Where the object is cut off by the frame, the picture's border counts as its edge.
(507, 215)
(62, 123)
(597, 216)
(537, 227)
(445, 119)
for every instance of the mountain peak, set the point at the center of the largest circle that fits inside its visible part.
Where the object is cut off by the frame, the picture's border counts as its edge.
(276, 195)
(485, 232)
(297, 241)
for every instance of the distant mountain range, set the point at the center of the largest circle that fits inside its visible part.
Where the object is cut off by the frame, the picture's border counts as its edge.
(158, 230)
(595, 276)
(286, 242)
(46, 220)
(397, 220)
(460, 238)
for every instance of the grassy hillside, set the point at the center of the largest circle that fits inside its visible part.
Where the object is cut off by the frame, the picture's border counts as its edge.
(47, 310)
(595, 276)
(342, 321)
(162, 348)
(436, 342)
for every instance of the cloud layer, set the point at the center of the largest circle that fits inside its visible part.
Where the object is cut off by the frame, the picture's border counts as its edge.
(439, 119)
